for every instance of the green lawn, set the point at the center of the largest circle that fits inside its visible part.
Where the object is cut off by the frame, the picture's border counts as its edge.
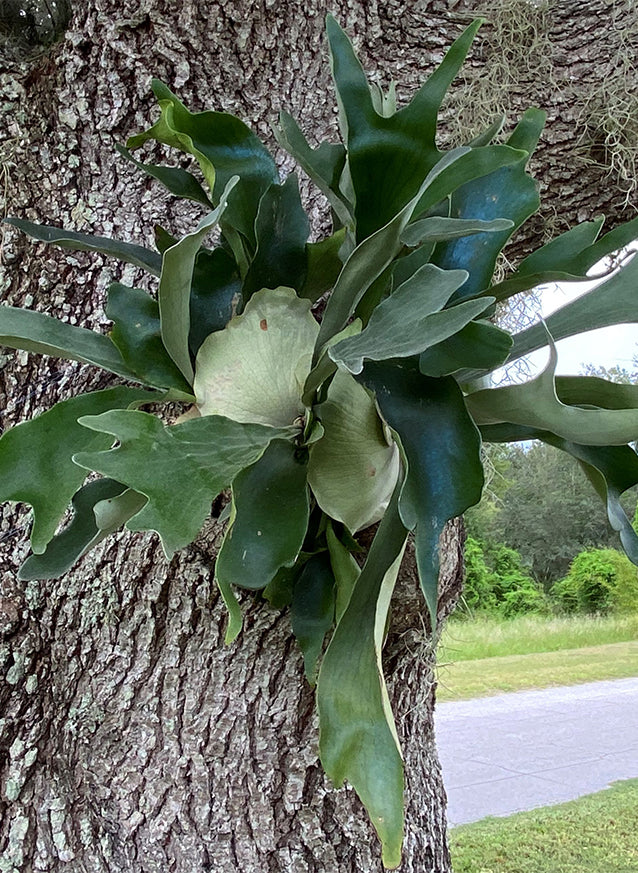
(487, 637)
(486, 656)
(595, 834)
(485, 676)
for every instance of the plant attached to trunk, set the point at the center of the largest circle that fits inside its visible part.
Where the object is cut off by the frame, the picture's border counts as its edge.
(321, 429)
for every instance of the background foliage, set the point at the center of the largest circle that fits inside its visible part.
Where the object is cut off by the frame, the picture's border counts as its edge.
(540, 511)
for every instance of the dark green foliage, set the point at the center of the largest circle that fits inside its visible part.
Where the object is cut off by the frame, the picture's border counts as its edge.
(281, 231)
(568, 257)
(478, 587)
(224, 147)
(352, 703)
(312, 611)
(599, 581)
(271, 508)
(175, 179)
(495, 582)
(389, 155)
(136, 333)
(84, 242)
(612, 302)
(480, 344)
(544, 508)
(215, 295)
(435, 433)
(36, 457)
(65, 548)
(508, 191)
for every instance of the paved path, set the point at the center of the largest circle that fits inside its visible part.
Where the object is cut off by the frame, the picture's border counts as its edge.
(535, 748)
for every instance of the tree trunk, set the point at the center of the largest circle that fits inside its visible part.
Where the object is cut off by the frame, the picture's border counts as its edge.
(131, 738)
(136, 741)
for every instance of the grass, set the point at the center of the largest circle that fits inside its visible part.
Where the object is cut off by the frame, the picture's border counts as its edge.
(595, 834)
(488, 637)
(486, 656)
(540, 670)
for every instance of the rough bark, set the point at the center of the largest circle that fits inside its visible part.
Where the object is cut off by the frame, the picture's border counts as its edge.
(135, 741)
(131, 739)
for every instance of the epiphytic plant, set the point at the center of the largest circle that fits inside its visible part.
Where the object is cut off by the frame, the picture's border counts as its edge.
(321, 429)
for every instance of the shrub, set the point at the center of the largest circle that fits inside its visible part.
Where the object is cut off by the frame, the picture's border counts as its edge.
(522, 597)
(496, 583)
(599, 580)
(478, 591)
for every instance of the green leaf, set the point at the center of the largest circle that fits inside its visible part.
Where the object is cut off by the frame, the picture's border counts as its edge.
(388, 156)
(215, 295)
(345, 570)
(98, 512)
(282, 230)
(479, 344)
(357, 736)
(163, 239)
(35, 456)
(440, 229)
(78, 536)
(235, 617)
(320, 374)
(111, 512)
(324, 165)
(85, 242)
(611, 242)
(224, 147)
(378, 291)
(181, 469)
(567, 258)
(442, 451)
(507, 193)
(279, 590)
(353, 469)
(490, 132)
(611, 474)
(175, 179)
(254, 369)
(385, 103)
(313, 431)
(535, 403)
(370, 258)
(410, 320)
(405, 266)
(269, 520)
(593, 391)
(612, 470)
(612, 302)
(312, 611)
(474, 164)
(175, 288)
(324, 266)
(136, 333)
(566, 253)
(45, 335)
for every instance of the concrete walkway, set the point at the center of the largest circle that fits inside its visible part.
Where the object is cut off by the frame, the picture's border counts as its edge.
(519, 751)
